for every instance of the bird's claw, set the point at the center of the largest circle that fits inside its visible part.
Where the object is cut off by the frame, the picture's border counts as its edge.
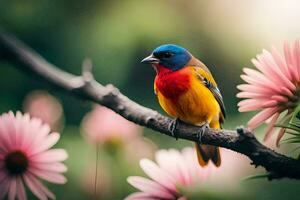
(172, 128)
(202, 129)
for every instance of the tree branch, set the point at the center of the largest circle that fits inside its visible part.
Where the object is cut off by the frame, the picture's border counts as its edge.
(242, 140)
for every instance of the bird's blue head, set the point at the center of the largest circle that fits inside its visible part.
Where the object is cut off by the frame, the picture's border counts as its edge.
(170, 56)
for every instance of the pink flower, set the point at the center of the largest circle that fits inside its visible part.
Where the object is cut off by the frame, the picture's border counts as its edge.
(42, 105)
(103, 125)
(172, 170)
(25, 157)
(273, 88)
(175, 170)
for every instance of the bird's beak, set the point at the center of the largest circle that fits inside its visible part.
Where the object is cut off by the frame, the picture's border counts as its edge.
(150, 60)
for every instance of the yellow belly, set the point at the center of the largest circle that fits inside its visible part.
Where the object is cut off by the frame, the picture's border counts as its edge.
(196, 106)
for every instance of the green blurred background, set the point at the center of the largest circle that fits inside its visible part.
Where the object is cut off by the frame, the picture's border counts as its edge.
(116, 35)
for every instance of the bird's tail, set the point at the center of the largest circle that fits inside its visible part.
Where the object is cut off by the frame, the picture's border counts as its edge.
(208, 152)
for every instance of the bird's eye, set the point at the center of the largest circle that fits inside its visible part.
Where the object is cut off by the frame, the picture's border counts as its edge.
(167, 54)
(161, 55)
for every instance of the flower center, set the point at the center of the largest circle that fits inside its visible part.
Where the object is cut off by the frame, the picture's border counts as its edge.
(16, 162)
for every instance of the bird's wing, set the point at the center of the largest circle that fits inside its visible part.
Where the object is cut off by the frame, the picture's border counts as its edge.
(207, 79)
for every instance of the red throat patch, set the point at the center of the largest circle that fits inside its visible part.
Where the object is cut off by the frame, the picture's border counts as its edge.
(172, 83)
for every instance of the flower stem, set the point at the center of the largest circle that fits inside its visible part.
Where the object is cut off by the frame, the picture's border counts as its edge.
(96, 171)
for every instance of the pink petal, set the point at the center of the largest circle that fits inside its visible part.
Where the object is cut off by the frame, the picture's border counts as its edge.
(190, 157)
(3, 175)
(268, 71)
(250, 80)
(254, 74)
(250, 102)
(260, 81)
(18, 126)
(275, 71)
(289, 60)
(181, 168)
(49, 176)
(251, 95)
(41, 131)
(11, 128)
(166, 162)
(6, 142)
(4, 187)
(281, 62)
(260, 117)
(34, 186)
(27, 133)
(263, 68)
(279, 99)
(255, 104)
(171, 162)
(52, 155)
(286, 91)
(280, 135)
(21, 194)
(270, 103)
(37, 188)
(51, 167)
(12, 189)
(248, 108)
(270, 127)
(35, 130)
(249, 105)
(294, 61)
(161, 156)
(297, 58)
(158, 175)
(263, 79)
(149, 187)
(140, 196)
(253, 88)
(47, 143)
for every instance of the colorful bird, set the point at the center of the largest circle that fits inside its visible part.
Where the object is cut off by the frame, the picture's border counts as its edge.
(187, 91)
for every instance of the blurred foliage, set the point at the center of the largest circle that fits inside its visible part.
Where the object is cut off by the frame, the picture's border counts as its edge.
(116, 35)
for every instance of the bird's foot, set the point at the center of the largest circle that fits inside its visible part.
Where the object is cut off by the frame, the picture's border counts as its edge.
(202, 129)
(172, 128)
